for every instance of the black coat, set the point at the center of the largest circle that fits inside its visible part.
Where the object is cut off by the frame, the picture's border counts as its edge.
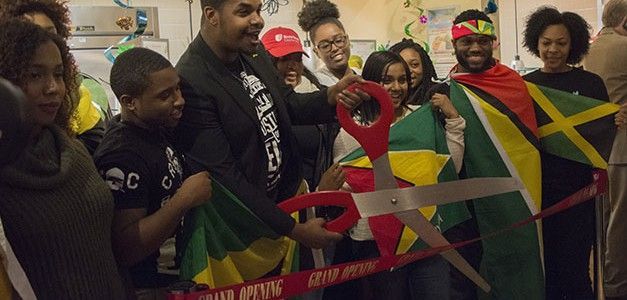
(220, 130)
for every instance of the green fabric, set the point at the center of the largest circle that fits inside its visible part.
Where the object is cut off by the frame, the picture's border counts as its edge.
(567, 103)
(420, 130)
(511, 262)
(559, 144)
(222, 225)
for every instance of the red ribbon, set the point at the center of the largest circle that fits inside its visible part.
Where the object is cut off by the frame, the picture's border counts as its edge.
(280, 287)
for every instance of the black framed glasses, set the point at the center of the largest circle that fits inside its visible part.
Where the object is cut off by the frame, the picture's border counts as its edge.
(339, 42)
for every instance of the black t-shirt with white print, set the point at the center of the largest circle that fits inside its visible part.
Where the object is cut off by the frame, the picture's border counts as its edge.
(142, 170)
(266, 112)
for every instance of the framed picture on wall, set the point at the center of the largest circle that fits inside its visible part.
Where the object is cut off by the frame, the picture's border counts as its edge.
(363, 49)
(439, 37)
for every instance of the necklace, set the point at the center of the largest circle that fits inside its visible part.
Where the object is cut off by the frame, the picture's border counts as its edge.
(237, 69)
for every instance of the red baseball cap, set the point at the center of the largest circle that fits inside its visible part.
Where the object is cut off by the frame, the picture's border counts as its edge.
(281, 41)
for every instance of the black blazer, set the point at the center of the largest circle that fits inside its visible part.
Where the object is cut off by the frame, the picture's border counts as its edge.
(220, 130)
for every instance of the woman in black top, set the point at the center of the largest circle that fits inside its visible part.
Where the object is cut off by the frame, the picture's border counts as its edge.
(560, 40)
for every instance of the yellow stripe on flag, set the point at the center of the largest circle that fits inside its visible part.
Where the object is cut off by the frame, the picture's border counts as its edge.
(262, 255)
(521, 153)
(566, 125)
(419, 167)
(291, 248)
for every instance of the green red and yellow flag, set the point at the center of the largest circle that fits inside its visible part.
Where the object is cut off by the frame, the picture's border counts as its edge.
(418, 156)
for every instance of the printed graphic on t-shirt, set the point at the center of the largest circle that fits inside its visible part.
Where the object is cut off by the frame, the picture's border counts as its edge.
(143, 172)
(174, 168)
(143, 184)
(269, 125)
(120, 181)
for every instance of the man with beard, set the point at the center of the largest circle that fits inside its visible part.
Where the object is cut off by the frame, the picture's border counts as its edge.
(473, 40)
(238, 117)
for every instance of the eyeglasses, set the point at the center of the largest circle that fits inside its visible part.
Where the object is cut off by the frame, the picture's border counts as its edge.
(339, 42)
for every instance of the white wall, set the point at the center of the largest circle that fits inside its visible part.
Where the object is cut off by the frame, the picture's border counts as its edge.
(174, 19)
(586, 8)
(364, 19)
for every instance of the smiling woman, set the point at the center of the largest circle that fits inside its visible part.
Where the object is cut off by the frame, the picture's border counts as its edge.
(320, 18)
(424, 279)
(560, 40)
(55, 210)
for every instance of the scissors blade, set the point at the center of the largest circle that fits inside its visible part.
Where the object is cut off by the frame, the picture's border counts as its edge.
(428, 233)
(382, 202)
(384, 179)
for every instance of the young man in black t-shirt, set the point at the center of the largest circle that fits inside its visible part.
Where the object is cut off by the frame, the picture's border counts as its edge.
(142, 169)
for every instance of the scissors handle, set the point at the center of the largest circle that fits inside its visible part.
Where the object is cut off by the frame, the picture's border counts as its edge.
(373, 138)
(342, 199)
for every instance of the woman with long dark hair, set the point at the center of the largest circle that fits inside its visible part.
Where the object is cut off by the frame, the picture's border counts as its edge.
(422, 71)
(428, 278)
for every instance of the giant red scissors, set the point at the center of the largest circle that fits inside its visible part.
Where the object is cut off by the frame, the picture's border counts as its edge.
(388, 198)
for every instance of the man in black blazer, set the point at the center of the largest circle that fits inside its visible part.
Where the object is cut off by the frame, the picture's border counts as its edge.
(238, 115)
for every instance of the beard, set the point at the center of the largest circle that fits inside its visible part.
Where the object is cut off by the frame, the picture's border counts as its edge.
(488, 63)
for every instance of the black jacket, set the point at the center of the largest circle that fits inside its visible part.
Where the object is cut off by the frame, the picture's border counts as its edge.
(220, 130)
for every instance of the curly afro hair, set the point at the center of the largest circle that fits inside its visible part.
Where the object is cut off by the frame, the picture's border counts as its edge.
(318, 12)
(428, 70)
(56, 10)
(19, 41)
(578, 29)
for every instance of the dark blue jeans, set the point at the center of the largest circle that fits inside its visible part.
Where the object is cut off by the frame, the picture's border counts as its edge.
(424, 279)
(429, 279)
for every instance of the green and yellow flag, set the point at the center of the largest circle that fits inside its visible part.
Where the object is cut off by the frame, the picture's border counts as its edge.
(574, 127)
(226, 243)
(508, 123)
(498, 144)
(419, 156)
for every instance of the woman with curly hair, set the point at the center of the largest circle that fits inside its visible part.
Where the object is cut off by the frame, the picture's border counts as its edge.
(55, 209)
(87, 121)
(422, 70)
(561, 40)
(321, 19)
(52, 15)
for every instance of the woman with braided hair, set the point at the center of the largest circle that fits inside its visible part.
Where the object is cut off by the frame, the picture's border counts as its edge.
(422, 71)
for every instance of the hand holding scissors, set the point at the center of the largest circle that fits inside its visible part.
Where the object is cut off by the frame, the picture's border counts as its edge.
(388, 198)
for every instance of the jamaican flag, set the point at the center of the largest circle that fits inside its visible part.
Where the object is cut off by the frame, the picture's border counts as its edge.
(225, 243)
(573, 126)
(508, 122)
(419, 156)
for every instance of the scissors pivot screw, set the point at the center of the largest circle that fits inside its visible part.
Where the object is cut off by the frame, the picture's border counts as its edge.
(394, 201)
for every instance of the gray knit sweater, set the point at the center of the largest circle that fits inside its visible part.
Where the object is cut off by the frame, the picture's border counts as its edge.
(57, 216)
